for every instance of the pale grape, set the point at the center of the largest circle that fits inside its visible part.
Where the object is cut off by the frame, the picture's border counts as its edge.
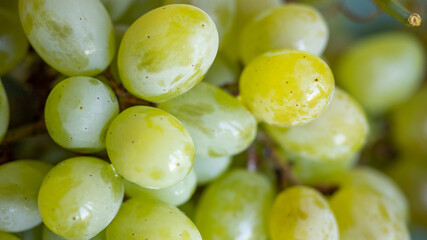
(210, 168)
(167, 51)
(116, 8)
(80, 197)
(19, 186)
(235, 206)
(301, 213)
(174, 195)
(74, 37)
(8, 236)
(292, 26)
(119, 32)
(382, 71)
(223, 72)
(150, 147)
(218, 123)
(365, 214)
(49, 235)
(287, 87)
(140, 218)
(78, 112)
(4, 112)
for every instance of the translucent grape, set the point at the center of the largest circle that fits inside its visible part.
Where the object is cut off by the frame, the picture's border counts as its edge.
(19, 185)
(4, 112)
(49, 235)
(287, 88)
(223, 72)
(167, 51)
(116, 8)
(150, 219)
(74, 37)
(218, 123)
(7, 236)
(235, 206)
(174, 195)
(78, 112)
(150, 147)
(382, 70)
(301, 213)
(292, 26)
(209, 168)
(80, 197)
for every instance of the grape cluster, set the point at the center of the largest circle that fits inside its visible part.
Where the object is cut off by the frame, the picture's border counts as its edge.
(210, 119)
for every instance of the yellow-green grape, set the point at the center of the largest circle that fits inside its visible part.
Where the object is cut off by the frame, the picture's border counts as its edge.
(365, 214)
(174, 195)
(167, 51)
(235, 206)
(13, 44)
(210, 168)
(150, 147)
(116, 8)
(8, 236)
(49, 235)
(218, 123)
(408, 124)
(327, 141)
(222, 72)
(382, 70)
(34, 233)
(74, 37)
(80, 197)
(119, 32)
(140, 218)
(301, 213)
(4, 112)
(292, 26)
(78, 112)
(287, 88)
(138, 8)
(19, 185)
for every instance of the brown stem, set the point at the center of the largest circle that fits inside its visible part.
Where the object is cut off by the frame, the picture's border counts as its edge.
(253, 160)
(24, 131)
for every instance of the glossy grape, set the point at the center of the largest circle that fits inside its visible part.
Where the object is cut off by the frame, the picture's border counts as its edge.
(223, 72)
(4, 112)
(49, 235)
(210, 168)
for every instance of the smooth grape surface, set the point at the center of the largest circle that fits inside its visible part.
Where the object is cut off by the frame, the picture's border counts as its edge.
(8, 236)
(150, 147)
(19, 186)
(167, 51)
(74, 37)
(78, 112)
(223, 72)
(80, 197)
(49, 235)
(287, 88)
(218, 123)
(4, 112)
(209, 168)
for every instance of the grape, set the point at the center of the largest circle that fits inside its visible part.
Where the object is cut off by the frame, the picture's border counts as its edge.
(150, 219)
(364, 214)
(302, 213)
(167, 51)
(329, 140)
(74, 37)
(209, 168)
(287, 88)
(222, 72)
(119, 32)
(4, 112)
(174, 195)
(13, 44)
(19, 185)
(7, 236)
(80, 197)
(218, 123)
(382, 70)
(49, 235)
(34, 233)
(78, 112)
(235, 207)
(408, 122)
(116, 8)
(292, 26)
(150, 147)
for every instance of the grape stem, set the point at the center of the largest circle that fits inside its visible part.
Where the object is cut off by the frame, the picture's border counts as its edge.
(399, 12)
(24, 131)
(253, 160)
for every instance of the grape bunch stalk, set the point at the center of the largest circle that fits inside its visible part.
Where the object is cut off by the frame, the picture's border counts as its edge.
(213, 119)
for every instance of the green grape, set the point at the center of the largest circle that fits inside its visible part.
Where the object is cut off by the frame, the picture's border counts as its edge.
(78, 112)
(34, 233)
(408, 124)
(49, 235)
(8, 236)
(119, 32)
(364, 214)
(150, 147)
(210, 168)
(116, 8)
(218, 123)
(223, 72)
(140, 218)
(138, 8)
(19, 185)
(235, 206)
(174, 195)
(292, 26)
(13, 44)
(167, 51)
(287, 88)
(301, 213)
(330, 140)
(4, 112)
(74, 37)
(382, 70)
(80, 197)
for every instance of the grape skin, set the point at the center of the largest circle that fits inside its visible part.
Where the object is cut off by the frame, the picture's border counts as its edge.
(4, 112)
(7, 236)
(210, 168)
